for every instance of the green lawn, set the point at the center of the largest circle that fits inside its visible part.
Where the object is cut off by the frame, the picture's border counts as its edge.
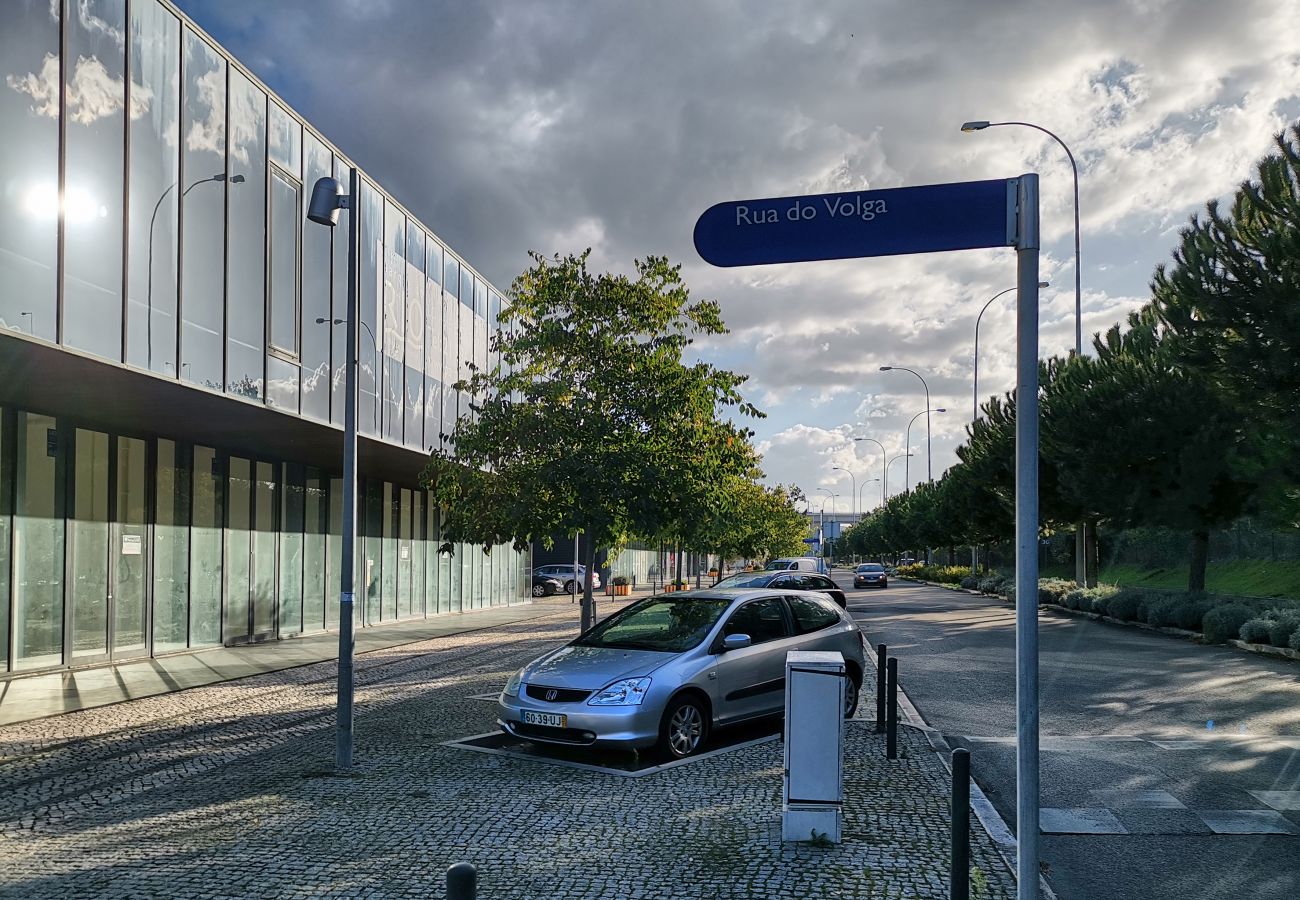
(1246, 578)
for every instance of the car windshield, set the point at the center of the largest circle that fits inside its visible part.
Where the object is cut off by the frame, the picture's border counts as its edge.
(665, 624)
(745, 579)
(777, 565)
(871, 567)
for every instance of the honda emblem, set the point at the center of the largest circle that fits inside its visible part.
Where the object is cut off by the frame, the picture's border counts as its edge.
(552, 694)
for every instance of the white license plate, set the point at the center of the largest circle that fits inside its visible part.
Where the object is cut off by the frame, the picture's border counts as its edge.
(550, 720)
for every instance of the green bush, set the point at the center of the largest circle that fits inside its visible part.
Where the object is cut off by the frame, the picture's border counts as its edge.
(1125, 604)
(992, 584)
(971, 582)
(1052, 590)
(1255, 631)
(1076, 599)
(1285, 623)
(940, 574)
(1224, 621)
(1294, 643)
(1183, 611)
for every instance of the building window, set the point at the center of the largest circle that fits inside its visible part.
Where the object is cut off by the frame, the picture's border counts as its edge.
(413, 405)
(285, 205)
(246, 253)
(315, 302)
(171, 550)
(394, 331)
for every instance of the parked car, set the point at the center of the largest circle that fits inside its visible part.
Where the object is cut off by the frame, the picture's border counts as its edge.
(666, 670)
(545, 585)
(564, 572)
(786, 581)
(797, 564)
(870, 575)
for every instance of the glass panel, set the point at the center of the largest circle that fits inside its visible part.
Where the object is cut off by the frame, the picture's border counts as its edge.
(420, 581)
(281, 384)
(466, 352)
(316, 262)
(94, 97)
(394, 319)
(481, 326)
(314, 583)
(38, 545)
(203, 213)
(433, 345)
(388, 559)
(339, 305)
(153, 201)
(246, 253)
(334, 548)
(6, 505)
(451, 344)
(171, 550)
(238, 545)
(286, 141)
(264, 549)
(205, 549)
(29, 166)
(131, 548)
(291, 549)
(370, 568)
(284, 263)
(88, 545)
(371, 292)
(414, 403)
(465, 553)
(405, 553)
(455, 562)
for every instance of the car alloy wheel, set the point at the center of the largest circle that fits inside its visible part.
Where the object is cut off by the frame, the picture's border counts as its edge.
(539, 590)
(685, 728)
(570, 587)
(850, 696)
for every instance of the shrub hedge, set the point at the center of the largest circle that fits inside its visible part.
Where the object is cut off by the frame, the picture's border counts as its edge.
(1224, 622)
(941, 574)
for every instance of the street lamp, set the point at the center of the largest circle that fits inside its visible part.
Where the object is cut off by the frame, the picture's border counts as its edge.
(321, 320)
(907, 444)
(883, 454)
(890, 463)
(862, 502)
(853, 496)
(975, 387)
(1080, 541)
(929, 474)
(327, 198)
(31, 322)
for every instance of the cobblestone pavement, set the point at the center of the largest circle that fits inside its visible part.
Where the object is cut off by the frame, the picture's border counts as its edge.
(229, 791)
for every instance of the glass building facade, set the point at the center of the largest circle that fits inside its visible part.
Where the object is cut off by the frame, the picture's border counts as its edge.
(171, 380)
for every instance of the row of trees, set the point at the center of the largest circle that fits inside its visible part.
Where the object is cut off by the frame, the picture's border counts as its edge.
(1186, 417)
(592, 420)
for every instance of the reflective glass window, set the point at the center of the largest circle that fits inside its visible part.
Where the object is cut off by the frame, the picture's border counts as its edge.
(413, 404)
(315, 527)
(266, 494)
(129, 548)
(37, 544)
(388, 554)
(333, 553)
(154, 200)
(6, 507)
(394, 319)
(339, 304)
(293, 513)
(450, 343)
(94, 86)
(286, 140)
(206, 563)
(285, 216)
(316, 264)
(370, 266)
(29, 166)
(171, 549)
(239, 491)
(481, 325)
(405, 553)
(419, 548)
(433, 346)
(281, 384)
(246, 251)
(466, 352)
(88, 545)
(203, 212)
(371, 569)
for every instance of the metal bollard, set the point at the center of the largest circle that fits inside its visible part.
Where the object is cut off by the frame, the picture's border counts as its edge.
(891, 723)
(462, 882)
(882, 654)
(959, 871)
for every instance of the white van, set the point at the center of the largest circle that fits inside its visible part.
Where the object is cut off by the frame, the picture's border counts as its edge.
(797, 564)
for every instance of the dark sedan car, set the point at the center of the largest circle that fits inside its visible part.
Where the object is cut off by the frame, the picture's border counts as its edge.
(870, 575)
(545, 585)
(789, 581)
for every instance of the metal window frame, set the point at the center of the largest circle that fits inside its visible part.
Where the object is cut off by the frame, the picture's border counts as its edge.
(286, 354)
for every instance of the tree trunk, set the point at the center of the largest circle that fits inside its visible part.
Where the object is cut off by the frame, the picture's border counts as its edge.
(1200, 557)
(1092, 557)
(588, 599)
(677, 578)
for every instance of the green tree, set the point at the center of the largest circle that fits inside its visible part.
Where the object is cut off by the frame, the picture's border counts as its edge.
(592, 421)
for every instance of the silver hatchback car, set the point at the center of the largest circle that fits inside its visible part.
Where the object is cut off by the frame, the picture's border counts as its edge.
(667, 669)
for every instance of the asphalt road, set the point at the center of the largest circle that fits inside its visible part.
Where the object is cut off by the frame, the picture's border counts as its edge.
(1153, 739)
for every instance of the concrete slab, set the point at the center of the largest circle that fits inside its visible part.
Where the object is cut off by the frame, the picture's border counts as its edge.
(1076, 820)
(1133, 799)
(1246, 821)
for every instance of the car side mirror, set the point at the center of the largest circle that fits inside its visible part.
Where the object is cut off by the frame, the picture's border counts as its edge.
(736, 642)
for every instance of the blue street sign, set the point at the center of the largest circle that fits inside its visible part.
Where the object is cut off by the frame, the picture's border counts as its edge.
(923, 219)
(811, 541)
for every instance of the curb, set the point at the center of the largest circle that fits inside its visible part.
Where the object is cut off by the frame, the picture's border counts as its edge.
(989, 818)
(1266, 649)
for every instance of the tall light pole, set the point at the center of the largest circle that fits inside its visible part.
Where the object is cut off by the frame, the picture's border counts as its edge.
(853, 496)
(975, 381)
(862, 500)
(891, 461)
(907, 445)
(1080, 540)
(929, 474)
(883, 455)
(320, 320)
(327, 198)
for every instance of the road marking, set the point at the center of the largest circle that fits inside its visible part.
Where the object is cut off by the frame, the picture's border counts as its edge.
(1077, 820)
(1246, 821)
(1286, 800)
(1122, 799)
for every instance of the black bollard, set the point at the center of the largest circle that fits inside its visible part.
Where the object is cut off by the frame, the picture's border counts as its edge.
(891, 724)
(462, 882)
(882, 654)
(959, 872)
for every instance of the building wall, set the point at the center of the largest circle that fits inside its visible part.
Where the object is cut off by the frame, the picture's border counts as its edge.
(153, 219)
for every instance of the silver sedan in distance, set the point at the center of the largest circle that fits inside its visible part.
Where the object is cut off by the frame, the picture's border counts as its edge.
(666, 670)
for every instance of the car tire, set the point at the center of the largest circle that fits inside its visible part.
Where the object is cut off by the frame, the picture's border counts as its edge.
(852, 692)
(539, 590)
(570, 587)
(684, 727)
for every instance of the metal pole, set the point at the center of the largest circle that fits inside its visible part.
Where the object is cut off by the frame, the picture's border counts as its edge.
(891, 721)
(882, 656)
(574, 597)
(1027, 245)
(343, 734)
(959, 868)
(462, 882)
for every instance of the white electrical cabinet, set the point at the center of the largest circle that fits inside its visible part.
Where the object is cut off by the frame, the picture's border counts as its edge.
(814, 746)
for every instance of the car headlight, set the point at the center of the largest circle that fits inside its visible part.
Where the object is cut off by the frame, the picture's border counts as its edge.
(628, 692)
(512, 686)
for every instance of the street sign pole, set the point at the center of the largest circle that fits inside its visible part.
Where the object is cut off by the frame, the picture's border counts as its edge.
(1027, 242)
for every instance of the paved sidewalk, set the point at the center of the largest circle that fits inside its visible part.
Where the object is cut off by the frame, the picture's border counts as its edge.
(228, 791)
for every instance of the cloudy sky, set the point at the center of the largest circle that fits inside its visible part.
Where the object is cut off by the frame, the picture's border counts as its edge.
(508, 126)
